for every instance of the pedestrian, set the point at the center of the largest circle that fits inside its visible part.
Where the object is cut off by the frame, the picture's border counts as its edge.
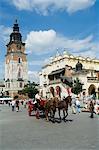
(13, 104)
(17, 105)
(91, 108)
(25, 103)
(78, 105)
(22, 102)
(73, 105)
(30, 108)
(9, 103)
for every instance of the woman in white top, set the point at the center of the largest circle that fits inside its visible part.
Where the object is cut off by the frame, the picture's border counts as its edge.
(78, 105)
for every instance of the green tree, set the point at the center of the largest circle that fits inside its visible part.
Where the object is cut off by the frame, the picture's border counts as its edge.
(30, 89)
(77, 86)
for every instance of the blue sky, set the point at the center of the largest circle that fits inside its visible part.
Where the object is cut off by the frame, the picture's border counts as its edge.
(48, 25)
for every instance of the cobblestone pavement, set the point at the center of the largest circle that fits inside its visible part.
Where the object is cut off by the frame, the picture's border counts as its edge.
(18, 131)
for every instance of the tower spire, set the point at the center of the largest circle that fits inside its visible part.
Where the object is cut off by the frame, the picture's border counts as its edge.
(16, 21)
(15, 26)
(15, 36)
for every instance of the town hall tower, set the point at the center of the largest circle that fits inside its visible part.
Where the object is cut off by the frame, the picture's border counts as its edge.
(16, 73)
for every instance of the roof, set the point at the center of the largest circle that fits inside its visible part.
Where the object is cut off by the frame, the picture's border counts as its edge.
(57, 71)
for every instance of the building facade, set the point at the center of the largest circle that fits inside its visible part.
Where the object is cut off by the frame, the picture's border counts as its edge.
(88, 74)
(16, 71)
(2, 88)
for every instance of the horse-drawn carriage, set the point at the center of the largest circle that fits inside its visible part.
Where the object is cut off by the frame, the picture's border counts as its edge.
(59, 99)
(35, 105)
(49, 106)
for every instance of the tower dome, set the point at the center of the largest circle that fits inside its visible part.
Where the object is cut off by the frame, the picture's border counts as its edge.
(15, 35)
(79, 66)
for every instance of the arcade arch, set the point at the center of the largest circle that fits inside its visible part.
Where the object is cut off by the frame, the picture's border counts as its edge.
(92, 89)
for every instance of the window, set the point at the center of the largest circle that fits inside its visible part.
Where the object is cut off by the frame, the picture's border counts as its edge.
(19, 60)
(44, 76)
(20, 84)
(91, 73)
(19, 73)
(8, 85)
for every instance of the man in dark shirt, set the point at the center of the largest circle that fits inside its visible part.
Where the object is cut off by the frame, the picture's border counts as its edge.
(17, 105)
(91, 109)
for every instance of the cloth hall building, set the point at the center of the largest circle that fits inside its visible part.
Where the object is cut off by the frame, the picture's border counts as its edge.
(85, 69)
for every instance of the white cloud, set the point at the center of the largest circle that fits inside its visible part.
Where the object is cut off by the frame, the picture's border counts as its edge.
(75, 5)
(40, 40)
(47, 41)
(2, 70)
(4, 33)
(33, 76)
(46, 6)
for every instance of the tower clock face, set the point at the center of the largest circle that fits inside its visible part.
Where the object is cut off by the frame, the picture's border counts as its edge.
(18, 46)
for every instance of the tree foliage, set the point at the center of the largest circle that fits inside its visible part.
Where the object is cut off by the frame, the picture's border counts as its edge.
(77, 86)
(30, 89)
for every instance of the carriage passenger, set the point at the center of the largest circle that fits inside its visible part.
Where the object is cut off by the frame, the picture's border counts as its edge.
(38, 97)
(37, 104)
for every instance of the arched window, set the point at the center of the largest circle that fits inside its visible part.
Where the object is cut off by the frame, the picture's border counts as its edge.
(8, 85)
(19, 73)
(92, 90)
(20, 84)
(52, 91)
(19, 60)
(58, 90)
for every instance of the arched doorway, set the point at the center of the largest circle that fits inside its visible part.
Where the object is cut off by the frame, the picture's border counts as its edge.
(58, 91)
(92, 90)
(52, 91)
(7, 93)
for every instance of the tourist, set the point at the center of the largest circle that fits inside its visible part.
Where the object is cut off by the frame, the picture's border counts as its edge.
(30, 108)
(17, 105)
(13, 104)
(73, 104)
(78, 105)
(25, 103)
(9, 103)
(91, 108)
